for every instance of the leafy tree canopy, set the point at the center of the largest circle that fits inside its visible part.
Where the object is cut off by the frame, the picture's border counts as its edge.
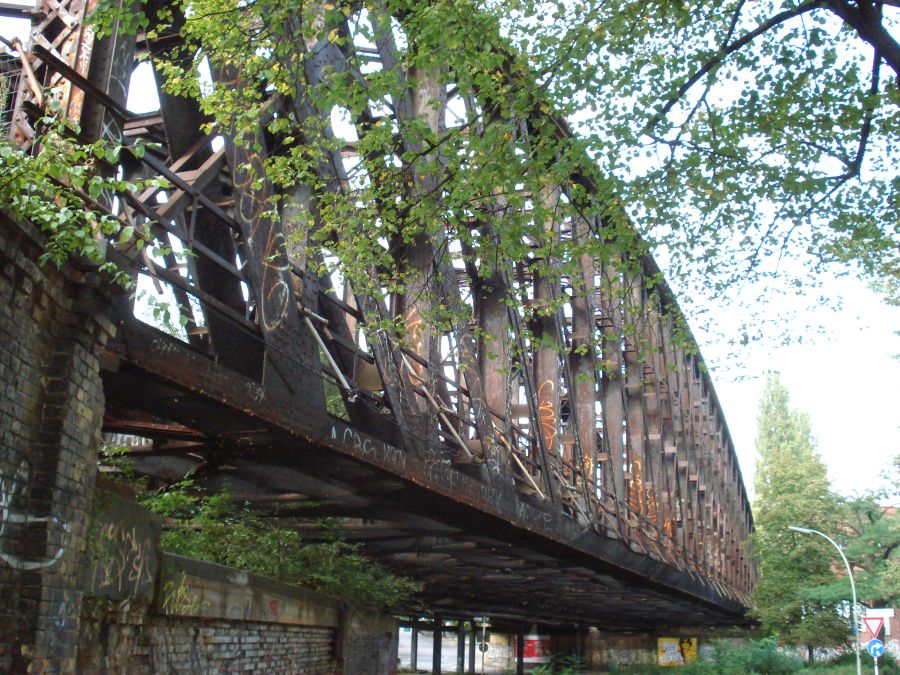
(748, 139)
(792, 489)
(745, 140)
(871, 535)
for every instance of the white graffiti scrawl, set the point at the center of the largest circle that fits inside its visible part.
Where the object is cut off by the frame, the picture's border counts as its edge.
(12, 486)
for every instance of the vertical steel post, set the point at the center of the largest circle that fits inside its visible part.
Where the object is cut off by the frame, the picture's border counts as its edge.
(520, 651)
(436, 645)
(472, 646)
(460, 646)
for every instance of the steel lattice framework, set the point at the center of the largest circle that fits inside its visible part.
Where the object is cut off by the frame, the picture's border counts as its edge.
(585, 477)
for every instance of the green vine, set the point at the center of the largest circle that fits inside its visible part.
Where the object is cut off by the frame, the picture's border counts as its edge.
(61, 190)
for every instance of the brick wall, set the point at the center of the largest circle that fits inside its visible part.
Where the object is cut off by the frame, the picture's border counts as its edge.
(207, 618)
(150, 612)
(50, 414)
(188, 646)
(136, 642)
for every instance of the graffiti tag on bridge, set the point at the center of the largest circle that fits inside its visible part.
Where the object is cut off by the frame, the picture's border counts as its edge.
(14, 486)
(123, 545)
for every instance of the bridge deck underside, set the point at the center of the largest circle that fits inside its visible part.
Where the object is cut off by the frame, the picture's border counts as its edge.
(477, 550)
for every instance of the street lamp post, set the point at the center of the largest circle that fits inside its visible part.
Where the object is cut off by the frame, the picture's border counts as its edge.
(806, 530)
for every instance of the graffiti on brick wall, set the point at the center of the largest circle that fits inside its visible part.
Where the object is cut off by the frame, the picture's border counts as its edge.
(179, 598)
(123, 543)
(123, 562)
(14, 485)
(623, 656)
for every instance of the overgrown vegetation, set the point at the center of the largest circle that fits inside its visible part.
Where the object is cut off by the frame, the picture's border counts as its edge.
(62, 190)
(478, 178)
(219, 529)
(216, 528)
(763, 657)
(562, 664)
(736, 135)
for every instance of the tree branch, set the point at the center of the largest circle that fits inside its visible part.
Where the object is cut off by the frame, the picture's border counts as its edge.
(865, 19)
(723, 53)
(854, 168)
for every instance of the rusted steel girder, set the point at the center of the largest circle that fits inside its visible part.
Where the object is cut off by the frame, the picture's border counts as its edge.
(285, 429)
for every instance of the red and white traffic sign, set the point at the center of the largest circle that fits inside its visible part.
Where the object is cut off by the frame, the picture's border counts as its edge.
(873, 624)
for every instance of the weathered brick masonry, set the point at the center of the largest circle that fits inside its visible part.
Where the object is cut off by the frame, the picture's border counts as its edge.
(50, 415)
(136, 643)
(150, 613)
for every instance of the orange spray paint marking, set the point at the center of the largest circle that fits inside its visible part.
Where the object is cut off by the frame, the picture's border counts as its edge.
(414, 325)
(547, 412)
(589, 470)
(636, 498)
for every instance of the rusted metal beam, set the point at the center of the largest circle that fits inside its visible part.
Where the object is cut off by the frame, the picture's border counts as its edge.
(169, 359)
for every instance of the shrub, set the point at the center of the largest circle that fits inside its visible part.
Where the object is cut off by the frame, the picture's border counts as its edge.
(846, 663)
(756, 657)
(217, 529)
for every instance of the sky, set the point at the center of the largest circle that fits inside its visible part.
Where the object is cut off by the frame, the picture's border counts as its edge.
(846, 379)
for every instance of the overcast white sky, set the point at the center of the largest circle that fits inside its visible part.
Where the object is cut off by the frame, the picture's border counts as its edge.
(847, 380)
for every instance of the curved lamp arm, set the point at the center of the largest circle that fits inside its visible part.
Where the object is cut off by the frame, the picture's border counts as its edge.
(807, 530)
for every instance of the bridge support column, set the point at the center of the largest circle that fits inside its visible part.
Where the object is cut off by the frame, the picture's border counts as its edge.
(472, 632)
(50, 420)
(520, 651)
(436, 645)
(460, 646)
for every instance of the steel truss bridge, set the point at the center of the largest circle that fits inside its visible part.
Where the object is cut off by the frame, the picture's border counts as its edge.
(585, 475)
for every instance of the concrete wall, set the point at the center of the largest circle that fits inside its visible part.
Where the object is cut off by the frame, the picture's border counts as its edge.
(367, 643)
(608, 650)
(501, 653)
(51, 407)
